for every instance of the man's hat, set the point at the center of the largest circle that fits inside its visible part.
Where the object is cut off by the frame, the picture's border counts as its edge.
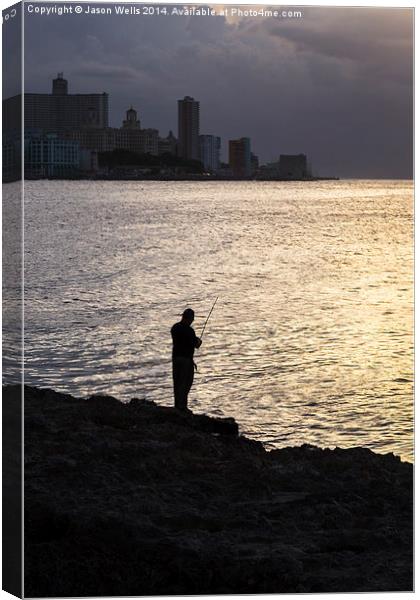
(188, 313)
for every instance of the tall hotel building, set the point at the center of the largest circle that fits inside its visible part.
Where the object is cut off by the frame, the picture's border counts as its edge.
(210, 152)
(189, 128)
(57, 112)
(240, 157)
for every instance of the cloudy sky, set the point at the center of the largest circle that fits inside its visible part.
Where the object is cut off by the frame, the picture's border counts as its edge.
(335, 84)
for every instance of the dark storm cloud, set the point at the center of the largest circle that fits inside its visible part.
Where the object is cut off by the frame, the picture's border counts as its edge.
(351, 31)
(336, 84)
(364, 37)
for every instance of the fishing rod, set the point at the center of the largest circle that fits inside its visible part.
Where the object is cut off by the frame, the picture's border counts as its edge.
(204, 327)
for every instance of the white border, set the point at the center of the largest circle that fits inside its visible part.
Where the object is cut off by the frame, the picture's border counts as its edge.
(360, 3)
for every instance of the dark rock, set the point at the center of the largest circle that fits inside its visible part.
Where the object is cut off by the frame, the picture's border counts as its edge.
(140, 499)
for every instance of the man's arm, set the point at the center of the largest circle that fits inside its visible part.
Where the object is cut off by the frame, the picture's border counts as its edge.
(197, 342)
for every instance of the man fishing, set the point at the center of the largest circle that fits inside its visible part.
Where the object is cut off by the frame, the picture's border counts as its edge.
(184, 343)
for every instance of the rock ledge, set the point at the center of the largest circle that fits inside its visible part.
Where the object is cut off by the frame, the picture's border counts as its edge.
(137, 499)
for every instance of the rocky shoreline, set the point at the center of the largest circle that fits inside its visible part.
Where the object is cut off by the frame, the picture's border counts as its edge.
(138, 499)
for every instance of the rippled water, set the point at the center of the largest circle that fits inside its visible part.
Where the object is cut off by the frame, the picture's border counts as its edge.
(311, 340)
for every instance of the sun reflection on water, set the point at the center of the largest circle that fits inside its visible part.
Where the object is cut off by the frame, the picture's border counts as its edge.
(311, 340)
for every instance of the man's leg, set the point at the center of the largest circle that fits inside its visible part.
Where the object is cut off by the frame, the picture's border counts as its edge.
(189, 380)
(182, 383)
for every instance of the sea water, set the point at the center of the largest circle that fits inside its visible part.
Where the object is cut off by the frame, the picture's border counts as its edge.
(311, 340)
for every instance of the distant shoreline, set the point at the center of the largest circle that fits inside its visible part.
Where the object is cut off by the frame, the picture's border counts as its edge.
(194, 178)
(406, 179)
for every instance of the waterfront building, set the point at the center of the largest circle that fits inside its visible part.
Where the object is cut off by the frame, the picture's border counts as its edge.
(88, 162)
(210, 152)
(150, 141)
(189, 128)
(288, 167)
(140, 141)
(293, 166)
(58, 111)
(128, 137)
(168, 145)
(101, 140)
(240, 157)
(47, 155)
(255, 163)
(269, 171)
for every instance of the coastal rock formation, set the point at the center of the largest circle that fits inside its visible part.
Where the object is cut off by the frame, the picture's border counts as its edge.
(138, 499)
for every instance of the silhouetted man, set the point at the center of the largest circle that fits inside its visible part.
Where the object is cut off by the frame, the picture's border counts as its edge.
(184, 343)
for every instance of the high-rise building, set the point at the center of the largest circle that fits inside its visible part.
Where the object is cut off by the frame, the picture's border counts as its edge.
(240, 157)
(189, 128)
(210, 152)
(57, 112)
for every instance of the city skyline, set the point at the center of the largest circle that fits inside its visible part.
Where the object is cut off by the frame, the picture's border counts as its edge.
(74, 128)
(337, 85)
